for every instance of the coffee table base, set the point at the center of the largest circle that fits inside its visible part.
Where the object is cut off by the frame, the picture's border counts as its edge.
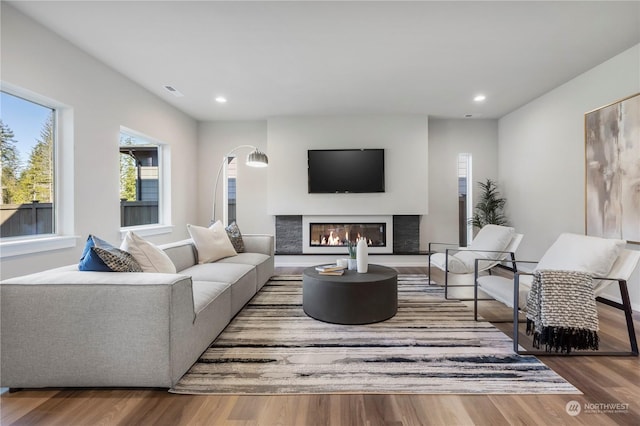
(351, 298)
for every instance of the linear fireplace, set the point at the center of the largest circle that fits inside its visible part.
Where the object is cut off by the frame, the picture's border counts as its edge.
(338, 234)
(329, 234)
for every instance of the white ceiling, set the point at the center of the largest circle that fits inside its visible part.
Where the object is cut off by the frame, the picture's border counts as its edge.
(324, 58)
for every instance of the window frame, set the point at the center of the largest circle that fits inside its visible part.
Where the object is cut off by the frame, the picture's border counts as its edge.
(225, 190)
(164, 225)
(63, 200)
(465, 159)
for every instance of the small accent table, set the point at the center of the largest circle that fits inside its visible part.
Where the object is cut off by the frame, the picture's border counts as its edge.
(352, 298)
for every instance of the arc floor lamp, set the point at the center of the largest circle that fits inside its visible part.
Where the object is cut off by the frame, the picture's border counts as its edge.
(255, 158)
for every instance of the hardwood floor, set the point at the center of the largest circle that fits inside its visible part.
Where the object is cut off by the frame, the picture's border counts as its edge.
(603, 380)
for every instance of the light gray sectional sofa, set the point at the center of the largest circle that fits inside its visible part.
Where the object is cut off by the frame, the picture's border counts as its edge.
(67, 328)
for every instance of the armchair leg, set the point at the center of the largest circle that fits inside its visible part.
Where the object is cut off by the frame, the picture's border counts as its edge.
(446, 283)
(475, 300)
(625, 306)
(516, 307)
(628, 313)
(429, 264)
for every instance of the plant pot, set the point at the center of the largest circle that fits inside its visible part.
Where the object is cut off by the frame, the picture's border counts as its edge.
(353, 264)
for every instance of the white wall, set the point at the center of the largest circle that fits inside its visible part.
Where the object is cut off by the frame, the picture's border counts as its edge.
(447, 139)
(102, 100)
(404, 139)
(542, 154)
(216, 139)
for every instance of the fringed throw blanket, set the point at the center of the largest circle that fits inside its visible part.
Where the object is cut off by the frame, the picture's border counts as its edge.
(562, 312)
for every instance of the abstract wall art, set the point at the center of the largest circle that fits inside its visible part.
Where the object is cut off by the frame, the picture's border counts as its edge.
(612, 170)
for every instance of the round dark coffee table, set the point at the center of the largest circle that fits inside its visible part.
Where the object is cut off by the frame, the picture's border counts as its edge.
(352, 298)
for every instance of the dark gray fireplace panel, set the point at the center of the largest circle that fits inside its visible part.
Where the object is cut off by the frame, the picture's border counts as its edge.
(288, 234)
(406, 234)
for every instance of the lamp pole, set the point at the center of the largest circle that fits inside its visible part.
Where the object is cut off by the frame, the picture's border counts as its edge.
(256, 158)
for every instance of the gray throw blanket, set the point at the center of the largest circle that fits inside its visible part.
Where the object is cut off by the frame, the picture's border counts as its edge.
(562, 312)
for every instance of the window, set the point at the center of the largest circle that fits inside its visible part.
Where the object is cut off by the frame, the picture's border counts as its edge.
(230, 194)
(142, 176)
(29, 139)
(465, 203)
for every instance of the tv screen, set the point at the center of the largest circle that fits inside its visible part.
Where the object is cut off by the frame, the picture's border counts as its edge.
(346, 170)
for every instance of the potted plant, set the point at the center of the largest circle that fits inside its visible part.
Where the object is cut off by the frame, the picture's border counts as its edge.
(490, 208)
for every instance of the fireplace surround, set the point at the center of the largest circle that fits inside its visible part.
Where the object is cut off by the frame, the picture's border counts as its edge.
(294, 234)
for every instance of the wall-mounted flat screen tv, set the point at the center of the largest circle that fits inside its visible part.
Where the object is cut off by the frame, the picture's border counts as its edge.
(346, 170)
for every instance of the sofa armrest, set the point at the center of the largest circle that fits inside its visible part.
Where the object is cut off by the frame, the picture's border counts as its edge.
(72, 276)
(90, 329)
(259, 243)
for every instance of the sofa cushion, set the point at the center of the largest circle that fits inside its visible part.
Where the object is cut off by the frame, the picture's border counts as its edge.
(212, 243)
(574, 252)
(263, 263)
(205, 292)
(219, 272)
(253, 259)
(150, 257)
(183, 253)
(233, 231)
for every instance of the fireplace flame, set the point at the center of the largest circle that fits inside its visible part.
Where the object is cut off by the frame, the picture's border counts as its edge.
(338, 236)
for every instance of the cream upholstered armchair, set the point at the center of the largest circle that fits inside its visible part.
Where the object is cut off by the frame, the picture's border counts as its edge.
(494, 242)
(606, 260)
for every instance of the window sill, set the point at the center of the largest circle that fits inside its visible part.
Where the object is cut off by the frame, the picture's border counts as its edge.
(36, 245)
(147, 230)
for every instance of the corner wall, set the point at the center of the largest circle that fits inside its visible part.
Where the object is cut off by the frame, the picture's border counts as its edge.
(215, 140)
(542, 154)
(447, 139)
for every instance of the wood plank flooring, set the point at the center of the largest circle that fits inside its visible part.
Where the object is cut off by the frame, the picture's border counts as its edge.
(603, 380)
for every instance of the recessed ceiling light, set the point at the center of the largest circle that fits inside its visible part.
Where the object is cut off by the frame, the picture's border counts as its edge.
(221, 99)
(480, 98)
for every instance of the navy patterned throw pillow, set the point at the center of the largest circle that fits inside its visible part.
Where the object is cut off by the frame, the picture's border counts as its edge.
(98, 255)
(235, 236)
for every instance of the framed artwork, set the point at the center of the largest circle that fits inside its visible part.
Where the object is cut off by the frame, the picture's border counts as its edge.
(612, 170)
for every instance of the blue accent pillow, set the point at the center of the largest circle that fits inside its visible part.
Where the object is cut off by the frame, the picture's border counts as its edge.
(98, 255)
(90, 261)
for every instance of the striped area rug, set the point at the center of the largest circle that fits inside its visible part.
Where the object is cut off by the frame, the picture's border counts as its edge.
(431, 346)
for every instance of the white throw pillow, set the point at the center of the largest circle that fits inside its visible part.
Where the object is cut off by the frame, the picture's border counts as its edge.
(492, 237)
(150, 257)
(212, 243)
(574, 252)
